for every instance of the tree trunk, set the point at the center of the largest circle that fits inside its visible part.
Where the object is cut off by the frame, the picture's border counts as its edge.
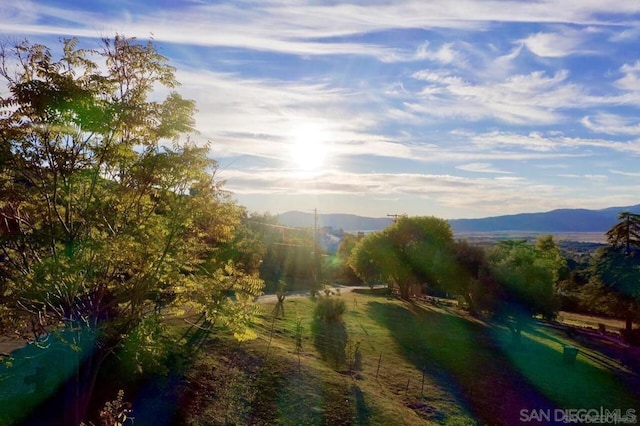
(87, 377)
(628, 322)
(405, 290)
(467, 298)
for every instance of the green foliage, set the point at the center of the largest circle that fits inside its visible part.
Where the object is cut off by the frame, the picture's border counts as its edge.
(114, 220)
(330, 334)
(248, 246)
(411, 252)
(330, 309)
(365, 257)
(343, 272)
(598, 298)
(148, 348)
(615, 286)
(525, 278)
(619, 271)
(287, 253)
(470, 262)
(626, 233)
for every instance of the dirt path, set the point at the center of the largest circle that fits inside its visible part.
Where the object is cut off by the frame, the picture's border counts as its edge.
(336, 289)
(9, 344)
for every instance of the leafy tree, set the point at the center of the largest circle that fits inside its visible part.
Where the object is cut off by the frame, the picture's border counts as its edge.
(597, 297)
(470, 262)
(626, 233)
(619, 273)
(524, 278)
(411, 252)
(248, 246)
(117, 219)
(366, 257)
(616, 269)
(344, 272)
(288, 252)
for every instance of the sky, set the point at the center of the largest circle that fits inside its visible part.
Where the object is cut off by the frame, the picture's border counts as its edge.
(456, 109)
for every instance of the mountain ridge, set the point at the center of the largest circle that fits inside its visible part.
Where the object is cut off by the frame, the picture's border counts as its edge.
(558, 220)
(344, 221)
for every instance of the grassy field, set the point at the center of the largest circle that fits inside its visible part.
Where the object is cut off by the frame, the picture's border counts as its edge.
(391, 362)
(387, 362)
(579, 320)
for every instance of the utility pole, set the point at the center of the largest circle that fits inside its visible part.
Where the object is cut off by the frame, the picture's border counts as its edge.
(316, 254)
(395, 216)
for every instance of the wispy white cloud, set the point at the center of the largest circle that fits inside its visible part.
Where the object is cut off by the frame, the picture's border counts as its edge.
(255, 117)
(631, 32)
(481, 168)
(537, 141)
(477, 197)
(563, 42)
(612, 124)
(384, 83)
(296, 27)
(589, 177)
(446, 54)
(519, 99)
(622, 173)
(631, 78)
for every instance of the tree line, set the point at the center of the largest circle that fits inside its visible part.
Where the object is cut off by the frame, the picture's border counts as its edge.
(513, 281)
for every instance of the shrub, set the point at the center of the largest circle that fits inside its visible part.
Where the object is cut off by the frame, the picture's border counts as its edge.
(330, 309)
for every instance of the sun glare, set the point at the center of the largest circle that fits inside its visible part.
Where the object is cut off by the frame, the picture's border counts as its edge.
(307, 147)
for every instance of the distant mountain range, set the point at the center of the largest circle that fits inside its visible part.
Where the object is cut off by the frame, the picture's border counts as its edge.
(562, 220)
(346, 222)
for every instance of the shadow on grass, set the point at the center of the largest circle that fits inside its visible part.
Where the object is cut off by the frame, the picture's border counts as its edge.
(590, 382)
(462, 357)
(330, 340)
(534, 330)
(39, 385)
(377, 291)
(363, 412)
(233, 384)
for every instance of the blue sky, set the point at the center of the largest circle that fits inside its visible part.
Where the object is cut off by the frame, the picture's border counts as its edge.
(456, 109)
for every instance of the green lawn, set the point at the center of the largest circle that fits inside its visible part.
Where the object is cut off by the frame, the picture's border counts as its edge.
(387, 362)
(420, 364)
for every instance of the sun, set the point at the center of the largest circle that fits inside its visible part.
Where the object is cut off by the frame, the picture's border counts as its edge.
(307, 150)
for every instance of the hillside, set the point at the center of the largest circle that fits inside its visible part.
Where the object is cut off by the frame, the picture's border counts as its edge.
(561, 220)
(388, 362)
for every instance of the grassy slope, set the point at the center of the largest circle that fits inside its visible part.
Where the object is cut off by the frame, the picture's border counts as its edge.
(469, 369)
(579, 320)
